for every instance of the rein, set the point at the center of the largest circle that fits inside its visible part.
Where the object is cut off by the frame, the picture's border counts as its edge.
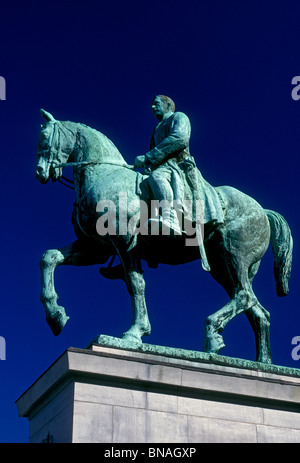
(66, 180)
(83, 164)
(87, 163)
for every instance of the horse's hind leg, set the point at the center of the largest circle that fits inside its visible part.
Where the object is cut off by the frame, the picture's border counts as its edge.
(73, 254)
(242, 299)
(214, 326)
(259, 319)
(55, 315)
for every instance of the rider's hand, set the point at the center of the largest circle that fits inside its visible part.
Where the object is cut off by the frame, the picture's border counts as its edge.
(139, 161)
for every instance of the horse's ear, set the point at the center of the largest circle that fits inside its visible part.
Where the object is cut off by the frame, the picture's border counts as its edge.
(47, 115)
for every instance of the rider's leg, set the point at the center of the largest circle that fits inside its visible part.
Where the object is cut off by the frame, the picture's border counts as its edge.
(160, 184)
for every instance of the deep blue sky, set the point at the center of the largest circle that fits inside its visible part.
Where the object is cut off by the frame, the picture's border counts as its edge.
(228, 65)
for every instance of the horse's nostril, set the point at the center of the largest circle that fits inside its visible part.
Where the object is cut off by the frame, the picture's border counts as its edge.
(40, 174)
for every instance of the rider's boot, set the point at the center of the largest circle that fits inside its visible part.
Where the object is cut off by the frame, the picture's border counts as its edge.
(167, 223)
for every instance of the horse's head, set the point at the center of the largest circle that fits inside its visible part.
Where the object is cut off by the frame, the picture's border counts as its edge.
(55, 147)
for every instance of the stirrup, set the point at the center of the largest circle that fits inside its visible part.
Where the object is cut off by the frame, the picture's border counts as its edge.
(113, 273)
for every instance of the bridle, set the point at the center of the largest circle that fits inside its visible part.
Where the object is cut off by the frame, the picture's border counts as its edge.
(55, 139)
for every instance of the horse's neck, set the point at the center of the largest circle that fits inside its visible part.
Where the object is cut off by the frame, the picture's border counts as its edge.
(96, 147)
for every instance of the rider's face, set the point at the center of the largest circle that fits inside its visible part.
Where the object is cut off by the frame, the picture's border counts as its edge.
(159, 108)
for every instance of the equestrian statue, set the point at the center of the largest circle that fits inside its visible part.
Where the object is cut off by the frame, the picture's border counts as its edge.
(230, 234)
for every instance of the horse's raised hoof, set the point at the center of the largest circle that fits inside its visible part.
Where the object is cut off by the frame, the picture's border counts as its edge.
(57, 320)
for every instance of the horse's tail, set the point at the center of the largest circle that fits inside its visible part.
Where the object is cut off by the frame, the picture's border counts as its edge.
(282, 247)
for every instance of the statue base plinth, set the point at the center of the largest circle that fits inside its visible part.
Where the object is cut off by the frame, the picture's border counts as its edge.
(153, 394)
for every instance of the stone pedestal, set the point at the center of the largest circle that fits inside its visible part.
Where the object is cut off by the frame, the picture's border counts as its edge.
(114, 395)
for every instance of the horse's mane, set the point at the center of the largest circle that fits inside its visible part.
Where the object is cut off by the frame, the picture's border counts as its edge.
(93, 136)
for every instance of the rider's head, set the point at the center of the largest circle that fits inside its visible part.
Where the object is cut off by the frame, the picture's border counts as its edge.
(162, 105)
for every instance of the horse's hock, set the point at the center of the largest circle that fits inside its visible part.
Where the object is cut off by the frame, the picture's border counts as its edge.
(114, 395)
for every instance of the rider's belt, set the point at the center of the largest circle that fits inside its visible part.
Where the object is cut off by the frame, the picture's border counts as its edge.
(181, 156)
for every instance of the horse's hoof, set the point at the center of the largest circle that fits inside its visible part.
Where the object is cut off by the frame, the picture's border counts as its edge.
(57, 320)
(213, 344)
(265, 359)
(132, 339)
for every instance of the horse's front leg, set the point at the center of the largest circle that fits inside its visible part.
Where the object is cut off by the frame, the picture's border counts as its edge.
(73, 254)
(55, 315)
(135, 282)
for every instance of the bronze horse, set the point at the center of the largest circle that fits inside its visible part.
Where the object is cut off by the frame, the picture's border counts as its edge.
(234, 250)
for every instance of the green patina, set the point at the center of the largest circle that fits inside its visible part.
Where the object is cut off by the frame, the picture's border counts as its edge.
(237, 230)
(192, 355)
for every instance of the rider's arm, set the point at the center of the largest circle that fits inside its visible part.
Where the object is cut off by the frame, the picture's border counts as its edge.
(177, 140)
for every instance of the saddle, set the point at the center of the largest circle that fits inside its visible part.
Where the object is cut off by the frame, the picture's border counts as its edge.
(189, 187)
